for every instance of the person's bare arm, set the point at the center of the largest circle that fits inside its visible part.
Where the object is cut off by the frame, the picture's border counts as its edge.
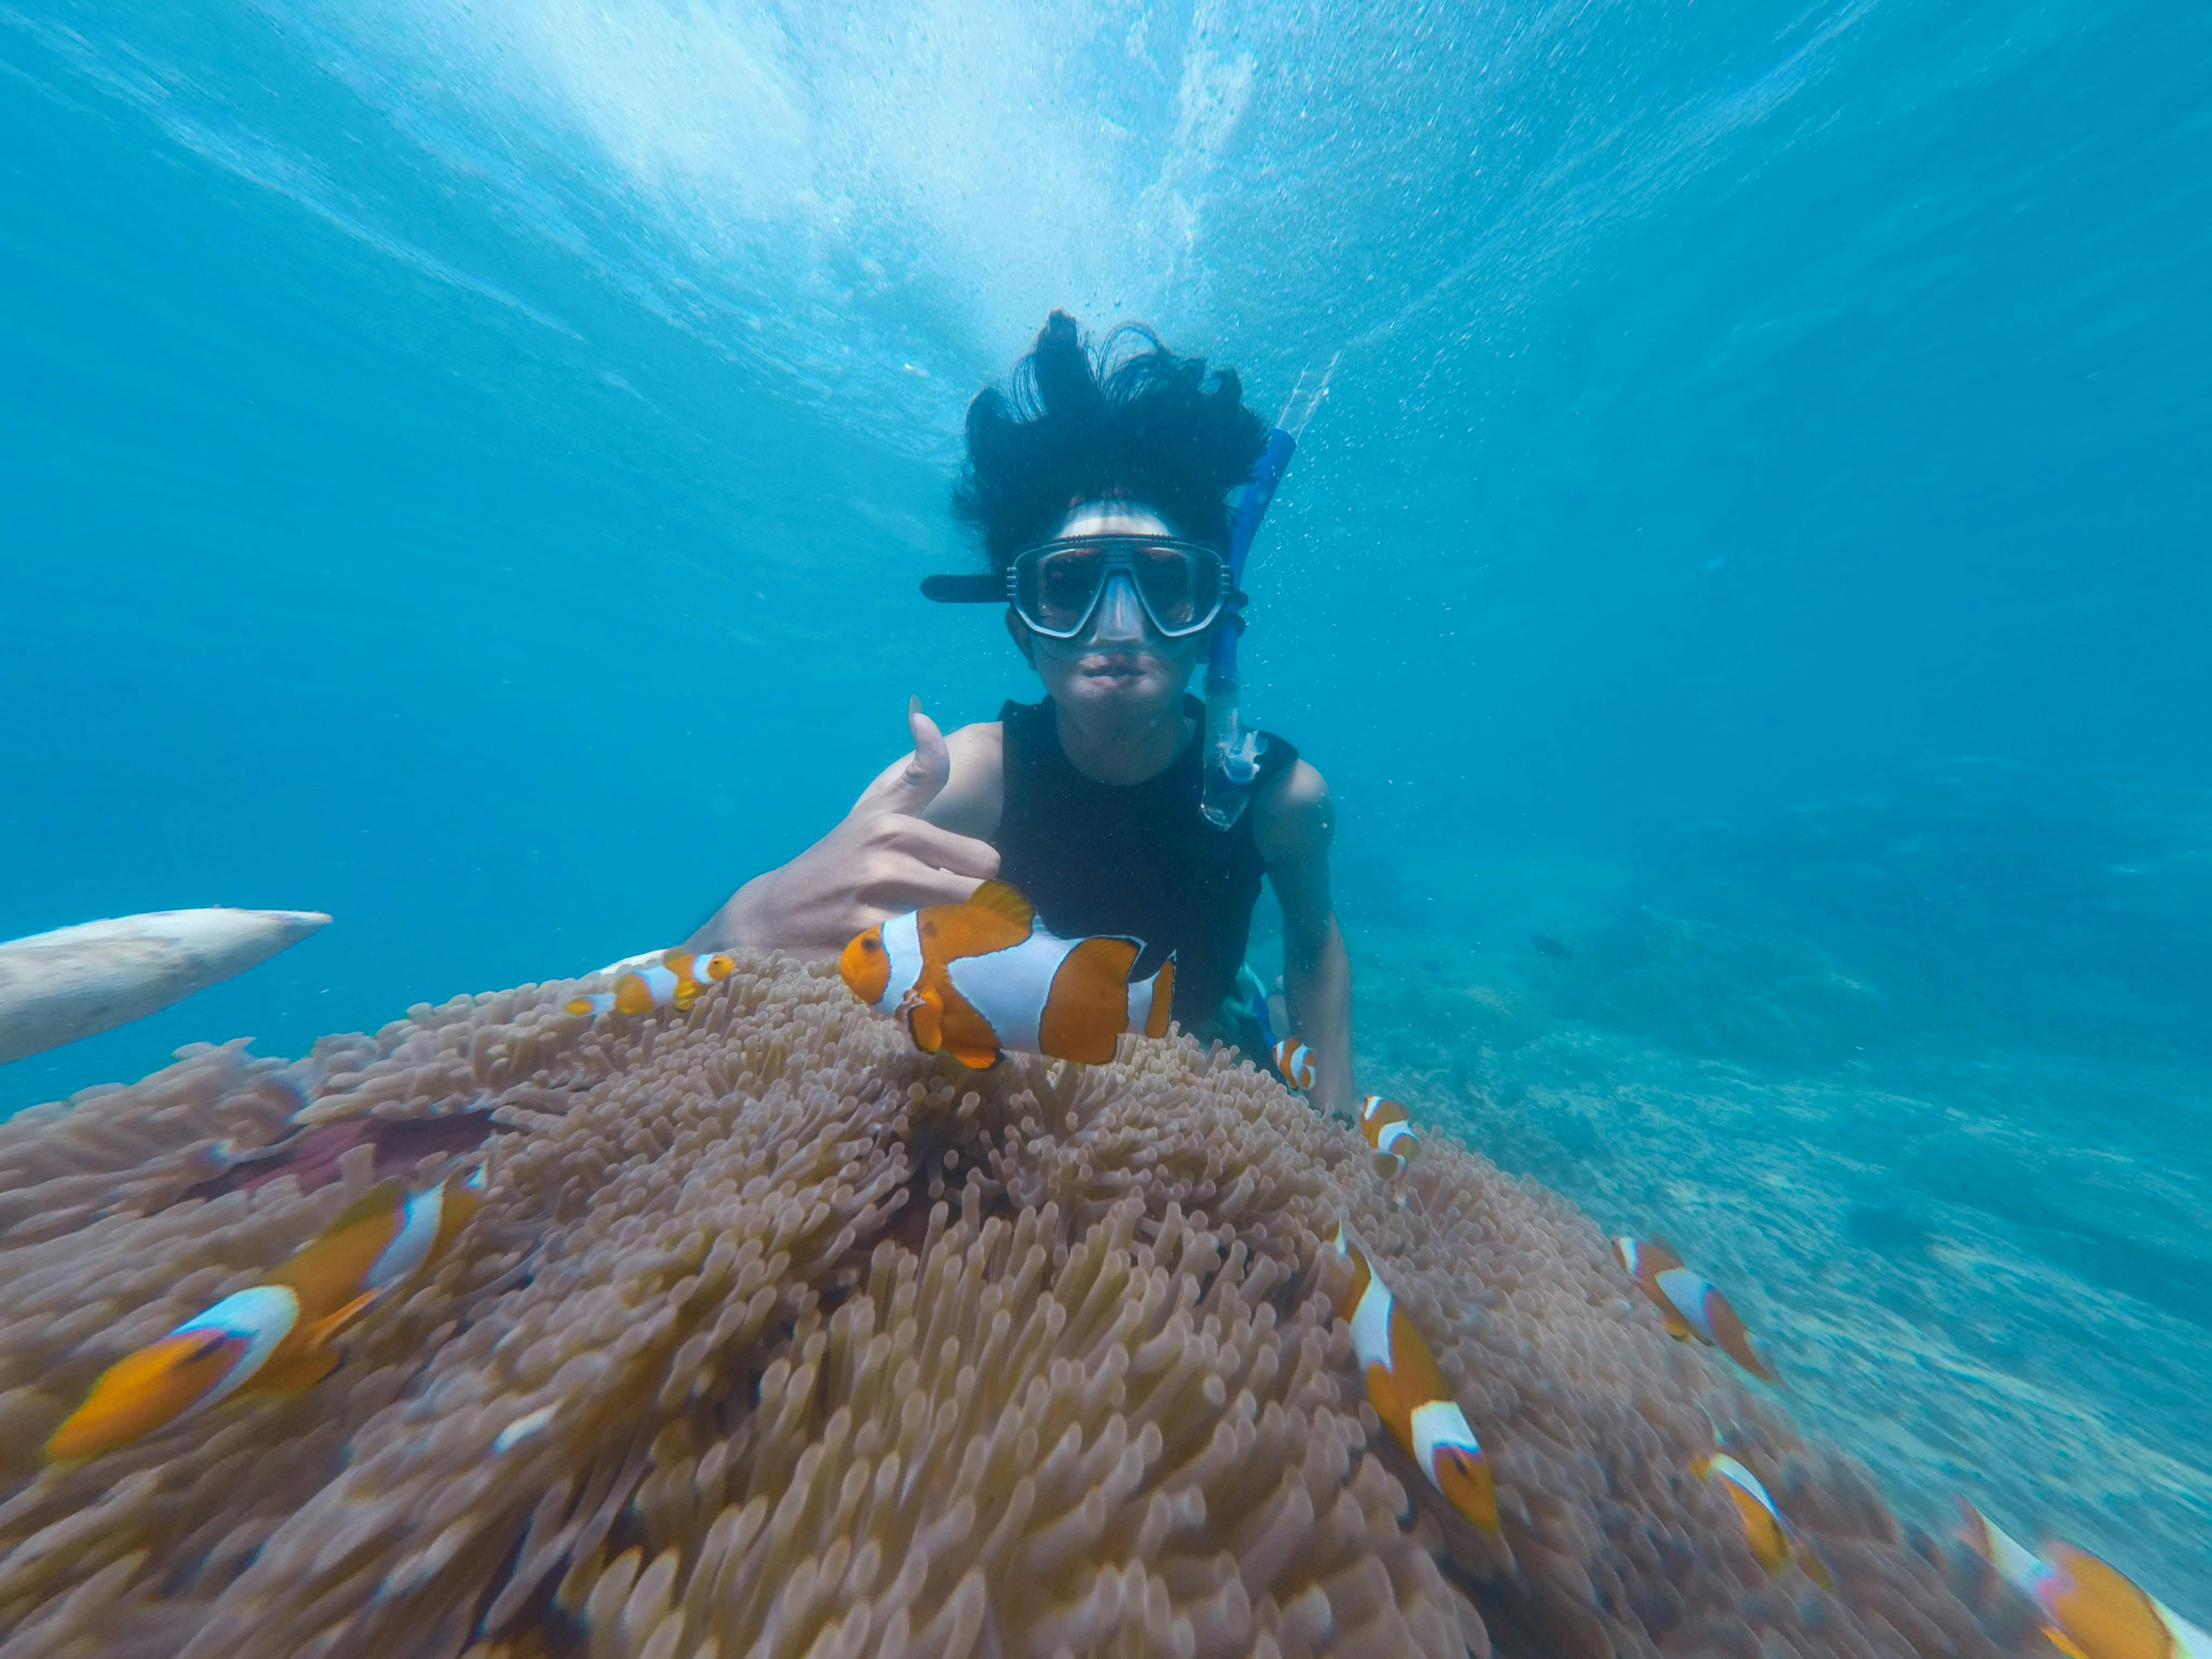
(893, 852)
(1293, 823)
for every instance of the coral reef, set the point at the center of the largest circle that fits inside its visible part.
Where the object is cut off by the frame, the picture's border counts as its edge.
(775, 1337)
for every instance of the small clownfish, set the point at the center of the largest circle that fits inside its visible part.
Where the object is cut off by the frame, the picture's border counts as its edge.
(1774, 1542)
(2091, 1610)
(1408, 1392)
(977, 979)
(678, 978)
(1391, 1133)
(1691, 1305)
(1646, 1260)
(274, 1337)
(1296, 1062)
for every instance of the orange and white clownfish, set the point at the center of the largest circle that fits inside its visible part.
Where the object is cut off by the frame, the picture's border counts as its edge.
(1408, 1391)
(1774, 1542)
(1296, 1062)
(1391, 1133)
(2091, 1610)
(678, 978)
(274, 1337)
(1691, 1305)
(976, 979)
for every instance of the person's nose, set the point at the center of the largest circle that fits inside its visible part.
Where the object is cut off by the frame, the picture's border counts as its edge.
(1121, 619)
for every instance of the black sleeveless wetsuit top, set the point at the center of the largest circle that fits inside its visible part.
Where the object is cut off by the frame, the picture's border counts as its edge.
(1137, 859)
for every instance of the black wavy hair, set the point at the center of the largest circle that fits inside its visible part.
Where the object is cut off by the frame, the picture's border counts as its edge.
(1130, 421)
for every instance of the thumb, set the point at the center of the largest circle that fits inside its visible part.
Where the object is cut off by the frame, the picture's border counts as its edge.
(912, 786)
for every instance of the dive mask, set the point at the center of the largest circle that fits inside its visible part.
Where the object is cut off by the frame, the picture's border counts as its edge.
(1056, 586)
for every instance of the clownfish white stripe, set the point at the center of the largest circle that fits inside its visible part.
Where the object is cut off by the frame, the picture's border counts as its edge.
(659, 981)
(1745, 1481)
(2017, 1564)
(409, 1247)
(1370, 1324)
(903, 950)
(1392, 1134)
(1687, 1292)
(1010, 987)
(261, 1317)
(1440, 1425)
(596, 1004)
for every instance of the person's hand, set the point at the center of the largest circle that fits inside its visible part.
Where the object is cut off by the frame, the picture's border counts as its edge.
(882, 859)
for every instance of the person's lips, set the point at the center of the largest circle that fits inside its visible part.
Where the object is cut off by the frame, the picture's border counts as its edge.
(1119, 670)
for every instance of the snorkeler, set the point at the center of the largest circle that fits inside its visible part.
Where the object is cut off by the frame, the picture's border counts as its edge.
(1100, 490)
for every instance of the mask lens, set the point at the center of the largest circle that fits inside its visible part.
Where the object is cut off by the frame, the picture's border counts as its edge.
(1176, 590)
(1057, 587)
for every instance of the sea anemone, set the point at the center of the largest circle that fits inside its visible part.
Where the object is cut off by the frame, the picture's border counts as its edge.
(775, 1337)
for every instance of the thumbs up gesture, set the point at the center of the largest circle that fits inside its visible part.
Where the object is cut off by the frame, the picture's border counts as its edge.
(906, 788)
(884, 857)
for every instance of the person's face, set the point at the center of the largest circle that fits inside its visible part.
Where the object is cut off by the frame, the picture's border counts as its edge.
(1120, 671)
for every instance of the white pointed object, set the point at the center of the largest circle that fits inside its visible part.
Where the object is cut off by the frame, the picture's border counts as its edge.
(56, 987)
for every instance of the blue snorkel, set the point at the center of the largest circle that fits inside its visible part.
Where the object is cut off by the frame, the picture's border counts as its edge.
(1232, 752)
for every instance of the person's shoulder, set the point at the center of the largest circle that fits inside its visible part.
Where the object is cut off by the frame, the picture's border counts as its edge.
(1292, 814)
(983, 743)
(1297, 792)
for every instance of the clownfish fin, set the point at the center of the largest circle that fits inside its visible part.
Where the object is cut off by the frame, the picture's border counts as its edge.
(1810, 1564)
(1163, 998)
(1003, 899)
(295, 1372)
(976, 1060)
(329, 1269)
(925, 1022)
(1731, 1337)
(385, 1199)
(1760, 1364)
(319, 1332)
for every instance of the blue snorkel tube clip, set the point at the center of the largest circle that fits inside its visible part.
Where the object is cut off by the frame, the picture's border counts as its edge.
(1233, 750)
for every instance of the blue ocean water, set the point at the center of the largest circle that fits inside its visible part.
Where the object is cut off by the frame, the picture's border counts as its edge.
(466, 470)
